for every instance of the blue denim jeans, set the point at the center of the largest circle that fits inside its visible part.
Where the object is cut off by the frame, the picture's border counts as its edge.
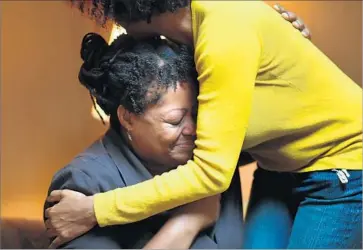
(305, 210)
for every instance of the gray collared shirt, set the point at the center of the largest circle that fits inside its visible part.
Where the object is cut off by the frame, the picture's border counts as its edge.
(109, 164)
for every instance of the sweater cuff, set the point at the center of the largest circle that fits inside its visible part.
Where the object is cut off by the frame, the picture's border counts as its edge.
(105, 208)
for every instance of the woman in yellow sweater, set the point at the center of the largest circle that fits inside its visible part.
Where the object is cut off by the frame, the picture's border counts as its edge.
(266, 90)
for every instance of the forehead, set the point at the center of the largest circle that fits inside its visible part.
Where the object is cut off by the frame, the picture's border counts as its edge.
(184, 92)
(183, 96)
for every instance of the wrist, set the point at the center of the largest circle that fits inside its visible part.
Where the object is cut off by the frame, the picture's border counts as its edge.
(90, 210)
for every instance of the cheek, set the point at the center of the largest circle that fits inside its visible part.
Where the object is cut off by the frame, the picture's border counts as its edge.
(145, 137)
(169, 135)
(163, 141)
(156, 140)
(182, 149)
(178, 155)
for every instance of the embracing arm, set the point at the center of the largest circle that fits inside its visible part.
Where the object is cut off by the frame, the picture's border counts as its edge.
(179, 231)
(227, 63)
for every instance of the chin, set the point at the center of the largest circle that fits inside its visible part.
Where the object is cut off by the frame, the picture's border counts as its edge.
(183, 158)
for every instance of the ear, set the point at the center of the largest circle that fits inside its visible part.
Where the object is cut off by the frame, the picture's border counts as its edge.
(125, 118)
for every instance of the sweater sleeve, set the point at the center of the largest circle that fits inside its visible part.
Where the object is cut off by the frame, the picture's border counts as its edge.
(227, 61)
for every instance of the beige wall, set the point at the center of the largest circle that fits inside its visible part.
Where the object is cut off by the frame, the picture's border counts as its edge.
(45, 113)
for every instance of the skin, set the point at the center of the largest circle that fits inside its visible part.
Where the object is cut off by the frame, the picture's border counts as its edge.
(180, 231)
(177, 27)
(170, 128)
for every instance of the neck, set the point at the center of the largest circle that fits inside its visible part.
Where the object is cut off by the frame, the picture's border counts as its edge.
(176, 26)
(154, 170)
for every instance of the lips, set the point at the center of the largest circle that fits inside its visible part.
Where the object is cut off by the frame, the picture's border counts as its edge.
(187, 145)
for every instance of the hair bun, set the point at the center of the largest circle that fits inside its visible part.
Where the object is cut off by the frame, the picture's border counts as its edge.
(93, 48)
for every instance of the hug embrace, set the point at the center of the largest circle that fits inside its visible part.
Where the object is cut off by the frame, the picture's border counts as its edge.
(233, 80)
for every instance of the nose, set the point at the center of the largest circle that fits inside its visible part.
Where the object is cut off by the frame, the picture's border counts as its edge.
(189, 128)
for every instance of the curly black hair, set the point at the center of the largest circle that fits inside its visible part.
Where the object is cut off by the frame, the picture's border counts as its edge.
(133, 73)
(127, 10)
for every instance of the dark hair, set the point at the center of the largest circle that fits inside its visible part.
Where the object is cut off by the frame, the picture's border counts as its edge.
(132, 73)
(127, 10)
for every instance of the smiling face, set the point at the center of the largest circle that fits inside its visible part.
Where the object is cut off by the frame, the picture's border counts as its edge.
(163, 136)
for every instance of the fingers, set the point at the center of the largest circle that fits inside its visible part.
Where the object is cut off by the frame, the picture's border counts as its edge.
(279, 8)
(298, 24)
(48, 224)
(289, 16)
(57, 242)
(306, 33)
(51, 233)
(50, 230)
(55, 196)
(47, 213)
(292, 18)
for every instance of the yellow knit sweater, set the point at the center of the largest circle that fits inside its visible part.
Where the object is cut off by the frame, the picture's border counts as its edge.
(264, 89)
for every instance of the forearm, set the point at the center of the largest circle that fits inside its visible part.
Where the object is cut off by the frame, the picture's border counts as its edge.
(175, 234)
(227, 80)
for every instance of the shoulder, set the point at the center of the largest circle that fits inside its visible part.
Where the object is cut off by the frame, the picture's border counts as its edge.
(90, 172)
(230, 20)
(242, 9)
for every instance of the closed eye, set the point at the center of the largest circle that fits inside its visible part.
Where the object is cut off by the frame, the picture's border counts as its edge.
(176, 123)
(175, 118)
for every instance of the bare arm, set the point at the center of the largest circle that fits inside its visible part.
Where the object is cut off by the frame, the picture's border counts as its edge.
(174, 234)
(181, 230)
